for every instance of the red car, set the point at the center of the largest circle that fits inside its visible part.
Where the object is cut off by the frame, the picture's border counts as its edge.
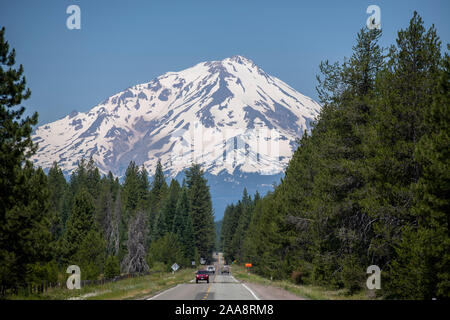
(202, 275)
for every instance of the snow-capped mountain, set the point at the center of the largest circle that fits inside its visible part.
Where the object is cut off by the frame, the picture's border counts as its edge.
(226, 115)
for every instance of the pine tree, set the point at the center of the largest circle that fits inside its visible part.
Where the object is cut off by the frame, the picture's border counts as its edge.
(78, 178)
(182, 225)
(181, 212)
(131, 189)
(405, 91)
(58, 188)
(158, 189)
(16, 144)
(80, 222)
(26, 238)
(86, 176)
(24, 225)
(338, 171)
(104, 205)
(93, 178)
(113, 184)
(421, 269)
(166, 216)
(201, 211)
(144, 185)
(158, 192)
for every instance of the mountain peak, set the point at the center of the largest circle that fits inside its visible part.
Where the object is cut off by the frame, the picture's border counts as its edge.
(226, 103)
(239, 59)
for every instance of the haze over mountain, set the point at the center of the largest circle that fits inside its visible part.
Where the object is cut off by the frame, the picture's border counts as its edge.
(230, 116)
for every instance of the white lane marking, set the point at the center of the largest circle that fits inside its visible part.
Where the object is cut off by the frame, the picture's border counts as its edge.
(192, 280)
(165, 291)
(234, 279)
(256, 297)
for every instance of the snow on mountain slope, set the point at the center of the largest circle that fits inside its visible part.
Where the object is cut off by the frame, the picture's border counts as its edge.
(225, 115)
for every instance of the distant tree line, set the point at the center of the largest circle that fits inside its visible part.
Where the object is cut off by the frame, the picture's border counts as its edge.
(93, 221)
(370, 184)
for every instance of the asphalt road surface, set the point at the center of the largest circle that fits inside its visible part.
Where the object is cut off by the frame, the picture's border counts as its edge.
(220, 287)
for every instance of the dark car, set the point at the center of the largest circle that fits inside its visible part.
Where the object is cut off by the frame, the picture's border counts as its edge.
(202, 275)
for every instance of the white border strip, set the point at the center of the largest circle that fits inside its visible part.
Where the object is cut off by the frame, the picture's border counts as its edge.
(165, 291)
(256, 297)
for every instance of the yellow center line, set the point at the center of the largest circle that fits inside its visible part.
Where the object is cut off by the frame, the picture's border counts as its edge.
(209, 287)
(207, 292)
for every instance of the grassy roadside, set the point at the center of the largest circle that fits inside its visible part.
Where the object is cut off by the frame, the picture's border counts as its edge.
(133, 288)
(304, 291)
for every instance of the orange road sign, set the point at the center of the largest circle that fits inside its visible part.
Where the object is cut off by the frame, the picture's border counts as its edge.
(248, 265)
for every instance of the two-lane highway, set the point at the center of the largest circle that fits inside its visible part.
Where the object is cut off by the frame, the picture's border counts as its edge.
(220, 287)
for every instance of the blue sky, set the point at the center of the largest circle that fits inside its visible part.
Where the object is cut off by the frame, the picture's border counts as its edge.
(123, 43)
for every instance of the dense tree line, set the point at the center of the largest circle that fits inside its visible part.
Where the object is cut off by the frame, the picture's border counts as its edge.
(235, 223)
(106, 227)
(111, 227)
(369, 185)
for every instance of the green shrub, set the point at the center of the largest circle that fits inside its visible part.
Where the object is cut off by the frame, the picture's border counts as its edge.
(112, 267)
(159, 267)
(166, 250)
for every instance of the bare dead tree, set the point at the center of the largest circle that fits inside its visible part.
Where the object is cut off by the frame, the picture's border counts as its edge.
(112, 222)
(134, 261)
(115, 237)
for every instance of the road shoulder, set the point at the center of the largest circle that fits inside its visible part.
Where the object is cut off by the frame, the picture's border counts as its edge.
(268, 292)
